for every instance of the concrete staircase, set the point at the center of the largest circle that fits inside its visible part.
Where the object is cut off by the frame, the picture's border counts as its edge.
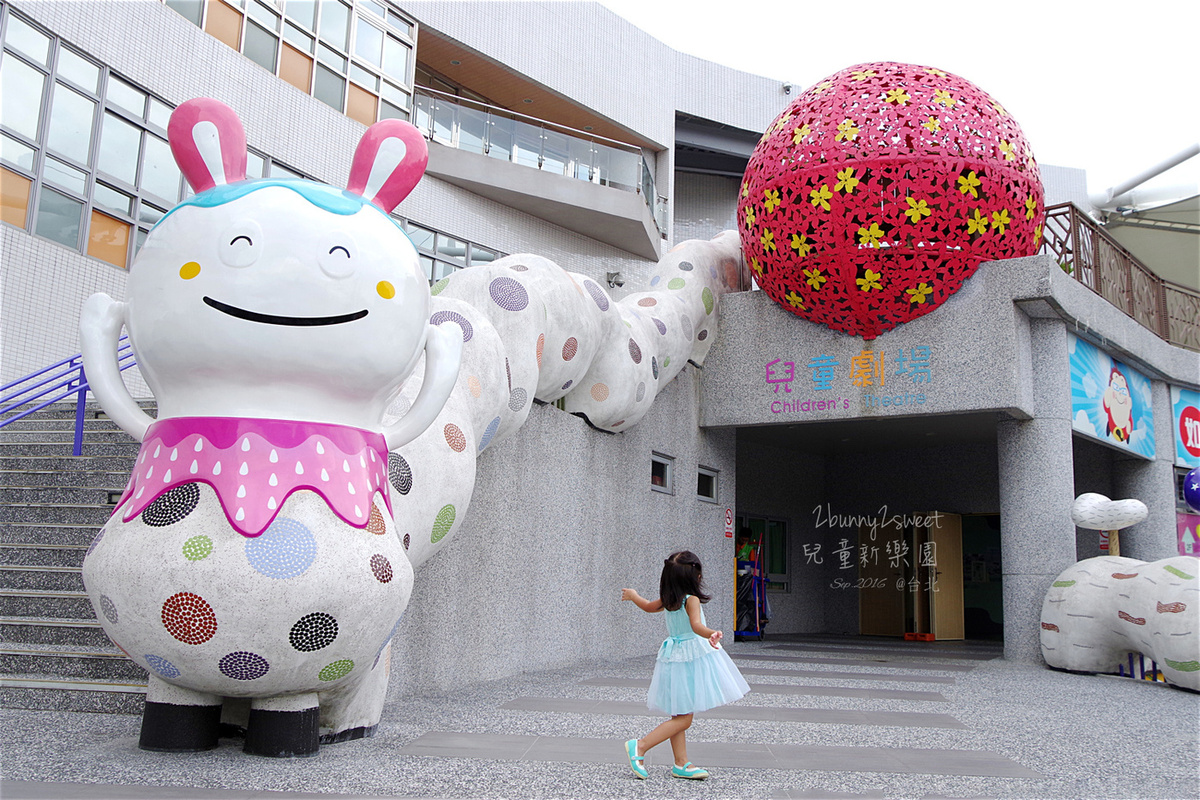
(53, 653)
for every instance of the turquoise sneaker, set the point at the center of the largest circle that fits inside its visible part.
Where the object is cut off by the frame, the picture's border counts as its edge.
(635, 761)
(689, 772)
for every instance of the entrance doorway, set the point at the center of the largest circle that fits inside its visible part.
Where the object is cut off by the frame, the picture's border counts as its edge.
(983, 595)
(911, 576)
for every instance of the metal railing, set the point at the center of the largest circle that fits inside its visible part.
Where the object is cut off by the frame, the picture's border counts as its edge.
(1086, 251)
(53, 384)
(499, 133)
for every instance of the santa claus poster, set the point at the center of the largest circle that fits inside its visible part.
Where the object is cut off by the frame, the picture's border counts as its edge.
(1110, 401)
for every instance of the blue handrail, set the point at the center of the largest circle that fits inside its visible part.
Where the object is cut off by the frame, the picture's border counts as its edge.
(60, 380)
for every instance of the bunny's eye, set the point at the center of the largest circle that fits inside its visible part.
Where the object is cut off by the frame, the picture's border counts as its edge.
(241, 244)
(338, 254)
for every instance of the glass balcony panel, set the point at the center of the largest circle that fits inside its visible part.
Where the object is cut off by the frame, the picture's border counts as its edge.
(70, 131)
(472, 129)
(444, 114)
(527, 144)
(424, 114)
(581, 154)
(20, 95)
(501, 136)
(555, 152)
(623, 168)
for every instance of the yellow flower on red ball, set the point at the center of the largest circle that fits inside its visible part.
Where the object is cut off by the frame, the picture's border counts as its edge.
(869, 281)
(771, 199)
(814, 278)
(918, 293)
(820, 197)
(978, 223)
(801, 133)
(969, 184)
(1000, 219)
(795, 300)
(846, 180)
(917, 209)
(897, 96)
(750, 216)
(801, 244)
(1030, 207)
(847, 131)
(768, 241)
(870, 236)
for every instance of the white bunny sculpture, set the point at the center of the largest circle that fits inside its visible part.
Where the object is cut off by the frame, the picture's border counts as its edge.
(252, 561)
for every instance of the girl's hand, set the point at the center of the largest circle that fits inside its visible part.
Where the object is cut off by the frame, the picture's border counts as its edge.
(715, 639)
(629, 594)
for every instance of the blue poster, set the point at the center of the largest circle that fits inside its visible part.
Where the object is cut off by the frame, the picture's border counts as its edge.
(1109, 400)
(1186, 406)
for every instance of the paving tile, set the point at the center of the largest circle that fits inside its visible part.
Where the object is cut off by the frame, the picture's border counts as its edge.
(835, 675)
(882, 661)
(785, 689)
(815, 716)
(737, 755)
(893, 652)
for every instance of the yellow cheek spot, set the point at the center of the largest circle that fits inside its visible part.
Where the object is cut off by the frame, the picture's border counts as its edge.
(386, 290)
(189, 270)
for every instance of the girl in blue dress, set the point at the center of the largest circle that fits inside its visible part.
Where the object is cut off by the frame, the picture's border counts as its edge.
(692, 672)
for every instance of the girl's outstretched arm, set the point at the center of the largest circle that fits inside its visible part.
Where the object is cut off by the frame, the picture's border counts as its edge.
(649, 606)
(698, 627)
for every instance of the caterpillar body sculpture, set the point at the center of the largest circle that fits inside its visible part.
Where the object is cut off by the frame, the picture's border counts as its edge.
(262, 555)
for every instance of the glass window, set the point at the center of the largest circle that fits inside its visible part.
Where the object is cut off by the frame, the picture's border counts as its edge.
(224, 24)
(303, 11)
(400, 24)
(368, 42)
(191, 10)
(327, 55)
(149, 213)
(422, 238)
(706, 484)
(452, 249)
(280, 171)
(160, 175)
(122, 95)
(395, 58)
(481, 255)
(428, 266)
(78, 70)
(260, 46)
(21, 89)
(113, 200)
(662, 478)
(108, 239)
(297, 37)
(254, 165)
(14, 197)
(58, 218)
(264, 15)
(119, 144)
(295, 68)
(373, 6)
(361, 105)
(389, 111)
(335, 24)
(64, 177)
(27, 39)
(329, 87)
(363, 77)
(70, 132)
(160, 113)
(396, 96)
(16, 153)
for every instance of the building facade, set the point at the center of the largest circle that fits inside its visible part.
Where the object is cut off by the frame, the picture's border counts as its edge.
(600, 152)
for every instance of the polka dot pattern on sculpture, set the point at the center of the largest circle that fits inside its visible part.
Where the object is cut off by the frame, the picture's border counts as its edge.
(454, 437)
(662, 326)
(519, 268)
(405, 541)
(676, 283)
(647, 302)
(541, 346)
(655, 280)
(599, 392)
(376, 524)
(702, 335)
(654, 366)
(96, 541)
(686, 322)
(160, 666)
(442, 524)
(489, 432)
(509, 294)
(517, 399)
(567, 385)
(598, 295)
(338, 669)
(172, 506)
(189, 618)
(474, 386)
(381, 568)
(198, 548)
(313, 632)
(243, 665)
(399, 473)
(686, 266)
(635, 352)
(450, 316)
(109, 609)
(706, 297)
(570, 348)
(641, 392)
(285, 550)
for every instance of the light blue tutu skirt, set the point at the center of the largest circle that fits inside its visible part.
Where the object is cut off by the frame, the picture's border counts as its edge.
(691, 675)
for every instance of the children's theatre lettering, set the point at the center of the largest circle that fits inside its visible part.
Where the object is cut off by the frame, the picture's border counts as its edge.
(894, 381)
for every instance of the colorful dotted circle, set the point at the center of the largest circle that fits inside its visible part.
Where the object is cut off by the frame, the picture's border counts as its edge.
(338, 669)
(243, 665)
(474, 386)
(198, 548)
(284, 550)
(172, 506)
(599, 392)
(686, 322)
(381, 568)
(676, 283)
(662, 326)
(450, 316)
(109, 608)
(655, 280)
(405, 541)
(641, 392)
(635, 352)
(189, 618)
(654, 366)
(516, 399)
(567, 385)
(519, 268)
(436, 289)
(161, 666)
(376, 524)
(647, 302)
(313, 632)
(598, 295)
(488, 433)
(399, 473)
(686, 266)
(707, 298)
(509, 294)
(454, 437)
(666, 362)
(702, 335)
(442, 524)
(570, 348)
(96, 541)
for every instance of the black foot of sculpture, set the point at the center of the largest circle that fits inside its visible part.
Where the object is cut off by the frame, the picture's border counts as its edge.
(170, 728)
(283, 734)
(348, 735)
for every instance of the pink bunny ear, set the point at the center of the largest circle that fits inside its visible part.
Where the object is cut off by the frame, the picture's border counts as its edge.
(388, 163)
(208, 142)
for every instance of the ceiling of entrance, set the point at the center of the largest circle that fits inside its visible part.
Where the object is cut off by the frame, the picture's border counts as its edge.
(864, 435)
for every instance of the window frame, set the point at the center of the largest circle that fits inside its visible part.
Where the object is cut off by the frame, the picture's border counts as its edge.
(668, 464)
(703, 471)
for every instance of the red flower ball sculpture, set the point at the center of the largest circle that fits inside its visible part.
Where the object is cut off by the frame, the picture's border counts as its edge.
(878, 191)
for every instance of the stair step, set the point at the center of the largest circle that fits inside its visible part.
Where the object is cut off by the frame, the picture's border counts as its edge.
(70, 663)
(53, 534)
(24, 554)
(48, 693)
(49, 604)
(60, 495)
(50, 631)
(35, 577)
(61, 513)
(56, 478)
(67, 463)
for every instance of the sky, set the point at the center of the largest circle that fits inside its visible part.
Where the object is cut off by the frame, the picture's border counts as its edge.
(1106, 87)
